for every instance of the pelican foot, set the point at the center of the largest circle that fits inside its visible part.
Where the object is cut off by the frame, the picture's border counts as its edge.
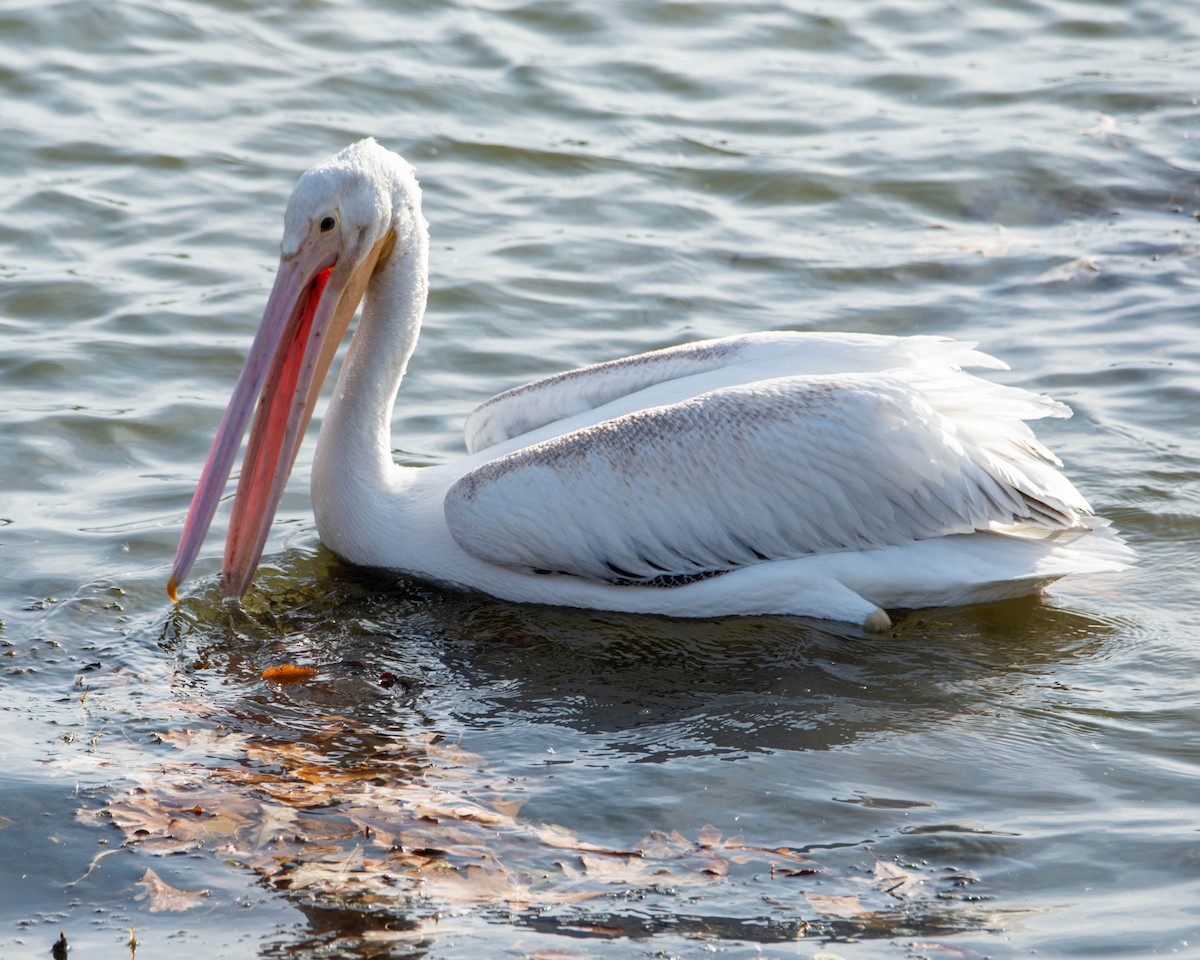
(877, 621)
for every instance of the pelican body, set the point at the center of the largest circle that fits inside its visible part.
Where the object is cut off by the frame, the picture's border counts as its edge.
(825, 475)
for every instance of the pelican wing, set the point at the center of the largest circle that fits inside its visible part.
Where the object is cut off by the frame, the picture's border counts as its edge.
(778, 468)
(740, 358)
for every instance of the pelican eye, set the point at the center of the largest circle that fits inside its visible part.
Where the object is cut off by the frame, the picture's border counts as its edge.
(328, 224)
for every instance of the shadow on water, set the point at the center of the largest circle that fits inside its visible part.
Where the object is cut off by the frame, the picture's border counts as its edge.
(349, 791)
(738, 685)
(745, 685)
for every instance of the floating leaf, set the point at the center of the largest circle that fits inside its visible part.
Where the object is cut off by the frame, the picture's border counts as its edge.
(841, 907)
(663, 846)
(709, 836)
(789, 872)
(164, 897)
(289, 673)
(893, 879)
(510, 808)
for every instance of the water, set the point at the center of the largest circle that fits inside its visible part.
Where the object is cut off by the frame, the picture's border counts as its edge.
(600, 179)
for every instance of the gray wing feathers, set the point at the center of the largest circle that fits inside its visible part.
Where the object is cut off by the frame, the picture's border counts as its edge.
(525, 408)
(770, 470)
(745, 358)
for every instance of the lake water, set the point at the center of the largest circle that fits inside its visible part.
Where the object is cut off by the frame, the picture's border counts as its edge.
(467, 778)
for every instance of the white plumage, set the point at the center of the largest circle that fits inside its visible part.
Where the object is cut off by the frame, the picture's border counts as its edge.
(829, 475)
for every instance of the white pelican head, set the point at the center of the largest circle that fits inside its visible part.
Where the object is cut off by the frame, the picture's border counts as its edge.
(341, 226)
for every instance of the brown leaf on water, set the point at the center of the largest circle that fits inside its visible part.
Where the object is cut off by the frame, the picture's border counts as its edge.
(174, 825)
(843, 908)
(556, 838)
(476, 883)
(510, 808)
(454, 754)
(789, 872)
(751, 852)
(709, 836)
(715, 867)
(664, 846)
(272, 823)
(625, 870)
(183, 738)
(164, 897)
(733, 849)
(328, 873)
(289, 673)
(896, 881)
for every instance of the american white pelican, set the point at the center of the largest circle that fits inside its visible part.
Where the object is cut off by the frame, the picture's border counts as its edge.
(826, 475)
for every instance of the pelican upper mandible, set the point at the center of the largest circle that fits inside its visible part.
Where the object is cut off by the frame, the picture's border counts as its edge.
(825, 475)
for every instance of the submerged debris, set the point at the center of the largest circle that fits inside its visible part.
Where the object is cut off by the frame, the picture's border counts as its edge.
(369, 821)
(417, 818)
(409, 831)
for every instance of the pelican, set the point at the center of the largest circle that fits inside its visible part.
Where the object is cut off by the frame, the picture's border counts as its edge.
(826, 475)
